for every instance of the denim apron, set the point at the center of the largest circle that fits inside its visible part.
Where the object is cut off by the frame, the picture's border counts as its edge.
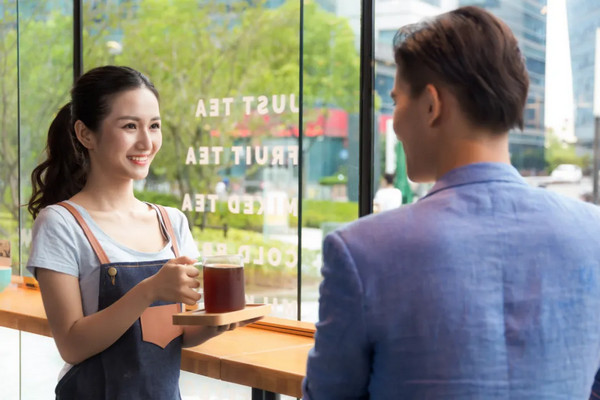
(144, 363)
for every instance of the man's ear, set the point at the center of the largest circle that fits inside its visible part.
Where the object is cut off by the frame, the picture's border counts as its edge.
(84, 135)
(433, 102)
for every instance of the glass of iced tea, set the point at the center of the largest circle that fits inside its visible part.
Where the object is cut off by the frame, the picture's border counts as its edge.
(223, 283)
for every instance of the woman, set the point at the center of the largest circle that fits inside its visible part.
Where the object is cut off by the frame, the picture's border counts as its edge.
(112, 269)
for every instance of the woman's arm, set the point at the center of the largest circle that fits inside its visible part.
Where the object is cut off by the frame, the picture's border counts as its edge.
(78, 337)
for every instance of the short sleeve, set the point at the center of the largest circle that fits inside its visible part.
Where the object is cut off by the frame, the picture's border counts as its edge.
(54, 243)
(186, 242)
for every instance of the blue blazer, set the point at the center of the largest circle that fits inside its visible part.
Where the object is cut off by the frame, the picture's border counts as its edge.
(487, 288)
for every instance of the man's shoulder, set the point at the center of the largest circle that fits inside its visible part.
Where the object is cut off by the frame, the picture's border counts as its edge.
(382, 224)
(559, 203)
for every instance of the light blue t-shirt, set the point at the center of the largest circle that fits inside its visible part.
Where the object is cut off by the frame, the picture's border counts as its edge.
(59, 244)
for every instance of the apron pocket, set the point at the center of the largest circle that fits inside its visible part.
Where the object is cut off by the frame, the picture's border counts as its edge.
(157, 324)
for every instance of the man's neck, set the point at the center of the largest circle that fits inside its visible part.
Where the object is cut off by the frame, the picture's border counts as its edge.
(463, 150)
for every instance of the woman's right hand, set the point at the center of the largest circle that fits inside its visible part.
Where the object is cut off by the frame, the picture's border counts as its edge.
(79, 337)
(175, 282)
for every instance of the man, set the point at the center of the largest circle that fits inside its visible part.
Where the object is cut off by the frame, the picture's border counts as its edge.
(388, 196)
(486, 288)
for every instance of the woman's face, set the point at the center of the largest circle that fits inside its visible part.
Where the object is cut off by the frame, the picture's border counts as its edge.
(129, 137)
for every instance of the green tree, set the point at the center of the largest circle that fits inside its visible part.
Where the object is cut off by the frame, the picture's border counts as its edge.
(42, 74)
(191, 50)
(560, 152)
(8, 117)
(210, 50)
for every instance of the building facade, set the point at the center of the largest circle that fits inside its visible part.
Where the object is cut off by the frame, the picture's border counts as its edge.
(583, 17)
(527, 20)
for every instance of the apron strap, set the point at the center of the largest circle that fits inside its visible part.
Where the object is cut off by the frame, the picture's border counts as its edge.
(88, 233)
(169, 227)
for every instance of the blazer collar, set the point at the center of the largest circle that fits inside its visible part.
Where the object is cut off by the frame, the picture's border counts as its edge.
(478, 172)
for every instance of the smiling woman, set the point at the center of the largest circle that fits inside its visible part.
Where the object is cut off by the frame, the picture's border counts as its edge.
(127, 140)
(64, 173)
(112, 269)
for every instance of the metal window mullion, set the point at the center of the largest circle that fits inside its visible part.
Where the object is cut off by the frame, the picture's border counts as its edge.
(300, 159)
(77, 39)
(365, 178)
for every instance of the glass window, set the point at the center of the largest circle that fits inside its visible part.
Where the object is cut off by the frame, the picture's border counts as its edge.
(330, 136)
(43, 72)
(545, 117)
(386, 35)
(229, 104)
(237, 124)
(45, 77)
(9, 156)
(231, 146)
(9, 178)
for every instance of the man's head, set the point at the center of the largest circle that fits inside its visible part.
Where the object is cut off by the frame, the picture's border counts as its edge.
(389, 178)
(474, 54)
(465, 61)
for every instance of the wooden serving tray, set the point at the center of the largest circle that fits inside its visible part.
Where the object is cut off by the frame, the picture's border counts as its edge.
(201, 317)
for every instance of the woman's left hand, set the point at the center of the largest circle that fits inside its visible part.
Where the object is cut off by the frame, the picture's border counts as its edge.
(195, 335)
(230, 327)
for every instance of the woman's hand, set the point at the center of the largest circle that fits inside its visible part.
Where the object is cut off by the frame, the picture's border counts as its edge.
(79, 337)
(195, 335)
(175, 282)
(230, 327)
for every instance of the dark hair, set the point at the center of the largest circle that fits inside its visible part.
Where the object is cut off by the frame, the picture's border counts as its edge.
(476, 55)
(64, 172)
(389, 178)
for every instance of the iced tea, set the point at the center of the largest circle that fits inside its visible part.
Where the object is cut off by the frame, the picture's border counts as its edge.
(223, 288)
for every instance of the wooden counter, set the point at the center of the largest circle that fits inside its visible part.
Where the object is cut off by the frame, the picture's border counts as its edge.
(255, 356)
(22, 309)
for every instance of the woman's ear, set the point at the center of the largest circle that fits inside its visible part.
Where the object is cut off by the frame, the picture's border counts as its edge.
(84, 135)
(433, 102)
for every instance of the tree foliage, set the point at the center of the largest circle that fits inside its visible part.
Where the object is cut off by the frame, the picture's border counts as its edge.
(191, 50)
(211, 50)
(559, 152)
(29, 95)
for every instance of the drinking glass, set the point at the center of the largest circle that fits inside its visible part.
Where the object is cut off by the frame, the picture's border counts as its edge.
(224, 286)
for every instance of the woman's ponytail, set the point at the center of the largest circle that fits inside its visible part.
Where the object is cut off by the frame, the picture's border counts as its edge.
(64, 172)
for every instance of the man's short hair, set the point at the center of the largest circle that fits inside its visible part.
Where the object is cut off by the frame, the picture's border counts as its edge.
(476, 56)
(389, 178)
